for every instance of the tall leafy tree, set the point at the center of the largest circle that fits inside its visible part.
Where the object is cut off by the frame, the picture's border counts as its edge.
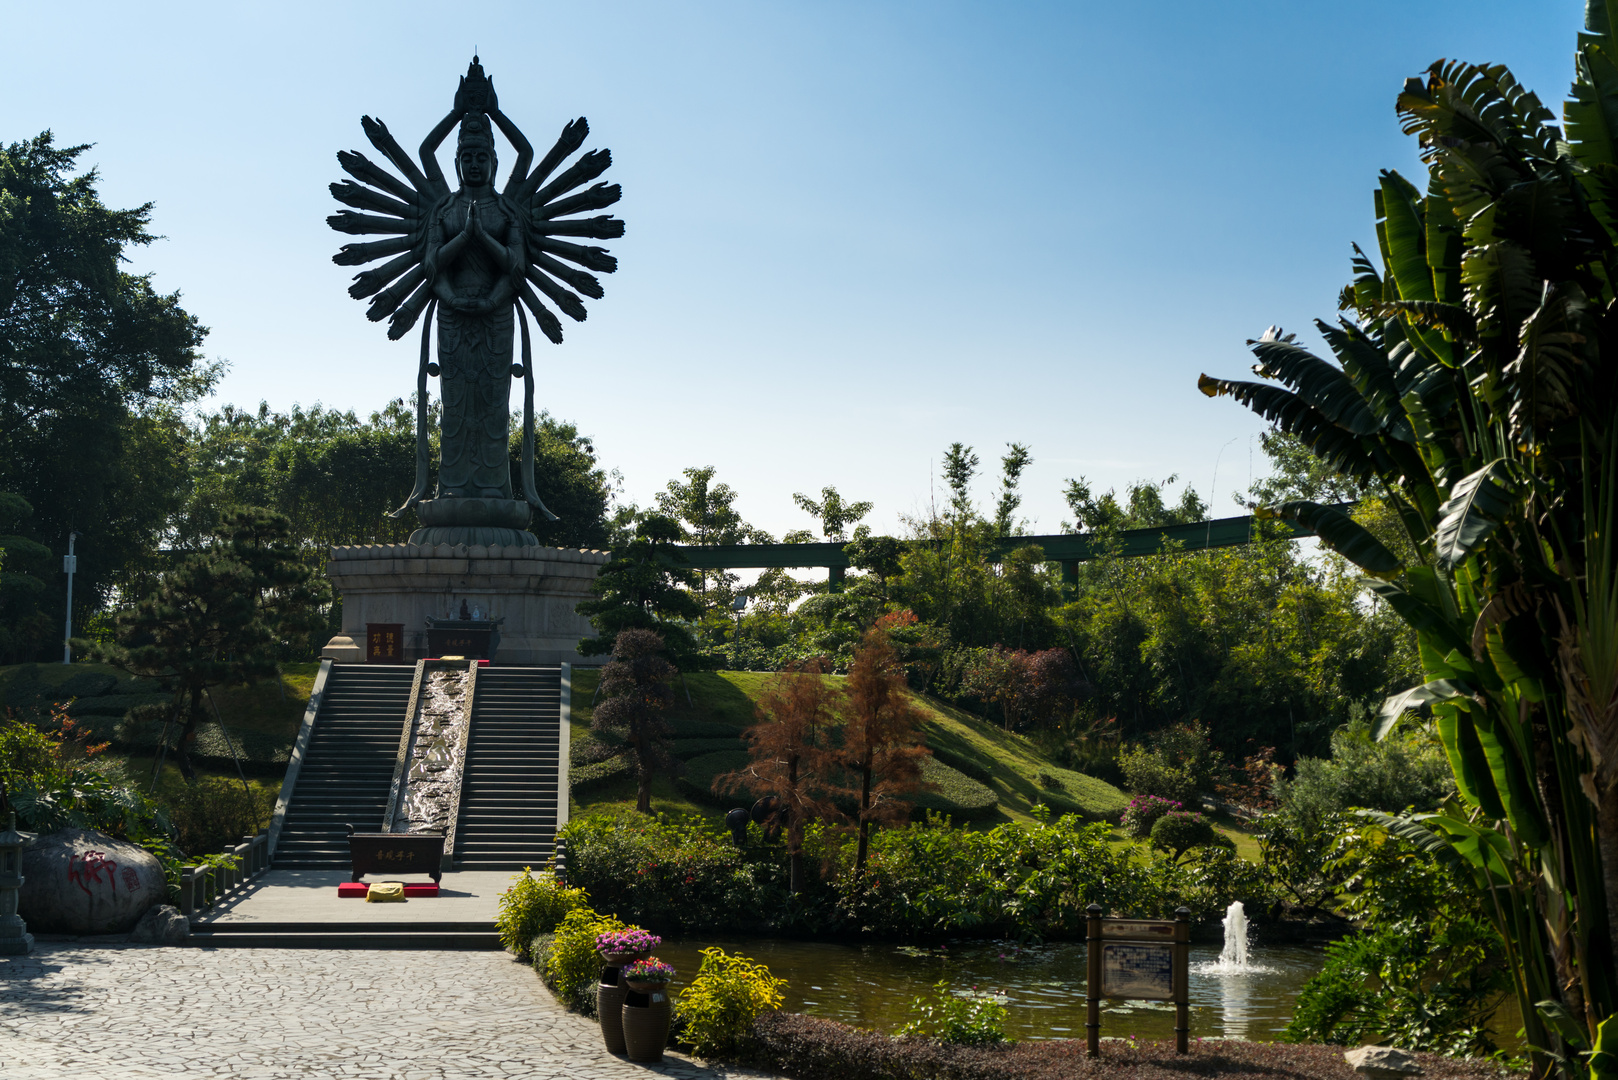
(1475, 390)
(93, 361)
(636, 689)
(1016, 459)
(23, 568)
(834, 513)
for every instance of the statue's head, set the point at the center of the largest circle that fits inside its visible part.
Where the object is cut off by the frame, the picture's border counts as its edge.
(474, 151)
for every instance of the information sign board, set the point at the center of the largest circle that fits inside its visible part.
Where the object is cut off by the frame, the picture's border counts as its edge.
(1143, 972)
(1141, 960)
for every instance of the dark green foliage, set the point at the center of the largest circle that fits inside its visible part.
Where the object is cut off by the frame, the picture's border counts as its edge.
(635, 694)
(922, 880)
(214, 814)
(93, 363)
(1178, 831)
(643, 587)
(1426, 971)
(221, 615)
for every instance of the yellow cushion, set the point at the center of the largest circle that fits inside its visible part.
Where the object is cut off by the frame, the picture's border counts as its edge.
(385, 892)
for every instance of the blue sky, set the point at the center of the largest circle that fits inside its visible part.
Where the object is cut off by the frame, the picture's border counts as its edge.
(857, 232)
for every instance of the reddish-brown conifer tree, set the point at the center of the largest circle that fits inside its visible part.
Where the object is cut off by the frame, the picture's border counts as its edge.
(881, 745)
(792, 757)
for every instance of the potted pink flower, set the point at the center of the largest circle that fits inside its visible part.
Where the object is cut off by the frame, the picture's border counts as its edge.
(620, 947)
(648, 975)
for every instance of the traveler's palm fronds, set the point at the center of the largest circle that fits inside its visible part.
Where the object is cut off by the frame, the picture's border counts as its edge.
(1474, 383)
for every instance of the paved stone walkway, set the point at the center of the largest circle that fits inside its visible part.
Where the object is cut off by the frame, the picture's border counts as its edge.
(142, 1011)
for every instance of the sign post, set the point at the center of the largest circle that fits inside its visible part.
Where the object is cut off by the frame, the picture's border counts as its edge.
(1139, 959)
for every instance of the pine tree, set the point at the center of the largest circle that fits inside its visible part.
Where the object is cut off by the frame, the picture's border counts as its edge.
(644, 587)
(637, 692)
(216, 618)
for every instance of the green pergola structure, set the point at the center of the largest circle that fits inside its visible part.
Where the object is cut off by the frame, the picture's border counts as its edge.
(1069, 549)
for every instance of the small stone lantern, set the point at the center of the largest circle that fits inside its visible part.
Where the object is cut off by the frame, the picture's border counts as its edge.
(14, 935)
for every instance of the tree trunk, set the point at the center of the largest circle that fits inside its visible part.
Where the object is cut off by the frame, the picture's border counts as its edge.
(182, 756)
(795, 853)
(865, 822)
(643, 776)
(1607, 844)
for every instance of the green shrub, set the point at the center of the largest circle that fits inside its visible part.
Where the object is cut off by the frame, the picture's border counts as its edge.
(572, 965)
(1423, 972)
(532, 906)
(1178, 831)
(213, 814)
(1143, 812)
(727, 995)
(675, 873)
(965, 1017)
(1146, 772)
(1390, 775)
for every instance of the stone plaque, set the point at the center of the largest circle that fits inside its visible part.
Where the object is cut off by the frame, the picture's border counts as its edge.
(1141, 971)
(472, 643)
(384, 643)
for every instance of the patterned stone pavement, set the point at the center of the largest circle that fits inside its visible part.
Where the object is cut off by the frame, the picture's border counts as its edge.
(141, 1011)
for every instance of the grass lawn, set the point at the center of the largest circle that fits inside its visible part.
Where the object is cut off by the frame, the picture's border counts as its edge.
(1015, 767)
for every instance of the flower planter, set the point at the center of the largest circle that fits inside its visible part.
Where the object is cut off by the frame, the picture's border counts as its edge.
(621, 959)
(609, 1007)
(641, 987)
(646, 1029)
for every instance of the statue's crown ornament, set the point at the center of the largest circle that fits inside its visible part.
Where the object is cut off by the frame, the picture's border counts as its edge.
(476, 92)
(475, 131)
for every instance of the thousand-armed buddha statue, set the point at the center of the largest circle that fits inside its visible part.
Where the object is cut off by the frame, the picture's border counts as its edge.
(471, 260)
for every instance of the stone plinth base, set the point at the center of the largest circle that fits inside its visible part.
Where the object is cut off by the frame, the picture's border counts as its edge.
(533, 588)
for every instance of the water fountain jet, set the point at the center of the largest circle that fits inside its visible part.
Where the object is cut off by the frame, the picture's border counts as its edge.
(1234, 954)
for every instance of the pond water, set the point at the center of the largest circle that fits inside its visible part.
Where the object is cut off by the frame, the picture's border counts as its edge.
(872, 986)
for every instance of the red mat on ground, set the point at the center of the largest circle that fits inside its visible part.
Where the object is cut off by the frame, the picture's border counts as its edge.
(355, 890)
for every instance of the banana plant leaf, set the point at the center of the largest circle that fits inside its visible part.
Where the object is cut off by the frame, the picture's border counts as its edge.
(1339, 532)
(1477, 504)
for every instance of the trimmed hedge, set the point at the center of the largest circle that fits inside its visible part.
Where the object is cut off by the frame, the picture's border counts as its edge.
(969, 764)
(686, 749)
(702, 729)
(810, 1048)
(701, 770)
(958, 794)
(586, 778)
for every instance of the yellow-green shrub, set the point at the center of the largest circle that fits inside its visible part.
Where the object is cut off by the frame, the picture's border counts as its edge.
(531, 906)
(571, 962)
(722, 1002)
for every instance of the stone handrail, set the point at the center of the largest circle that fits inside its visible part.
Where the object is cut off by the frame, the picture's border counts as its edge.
(201, 887)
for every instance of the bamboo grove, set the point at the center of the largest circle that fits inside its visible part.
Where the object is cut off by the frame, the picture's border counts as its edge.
(1476, 389)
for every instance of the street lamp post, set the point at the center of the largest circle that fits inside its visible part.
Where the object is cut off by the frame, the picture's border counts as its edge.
(70, 563)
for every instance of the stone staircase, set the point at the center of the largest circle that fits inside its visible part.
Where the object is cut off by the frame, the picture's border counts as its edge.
(509, 791)
(347, 767)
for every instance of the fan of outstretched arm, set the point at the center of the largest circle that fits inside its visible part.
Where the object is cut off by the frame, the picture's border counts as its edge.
(400, 210)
